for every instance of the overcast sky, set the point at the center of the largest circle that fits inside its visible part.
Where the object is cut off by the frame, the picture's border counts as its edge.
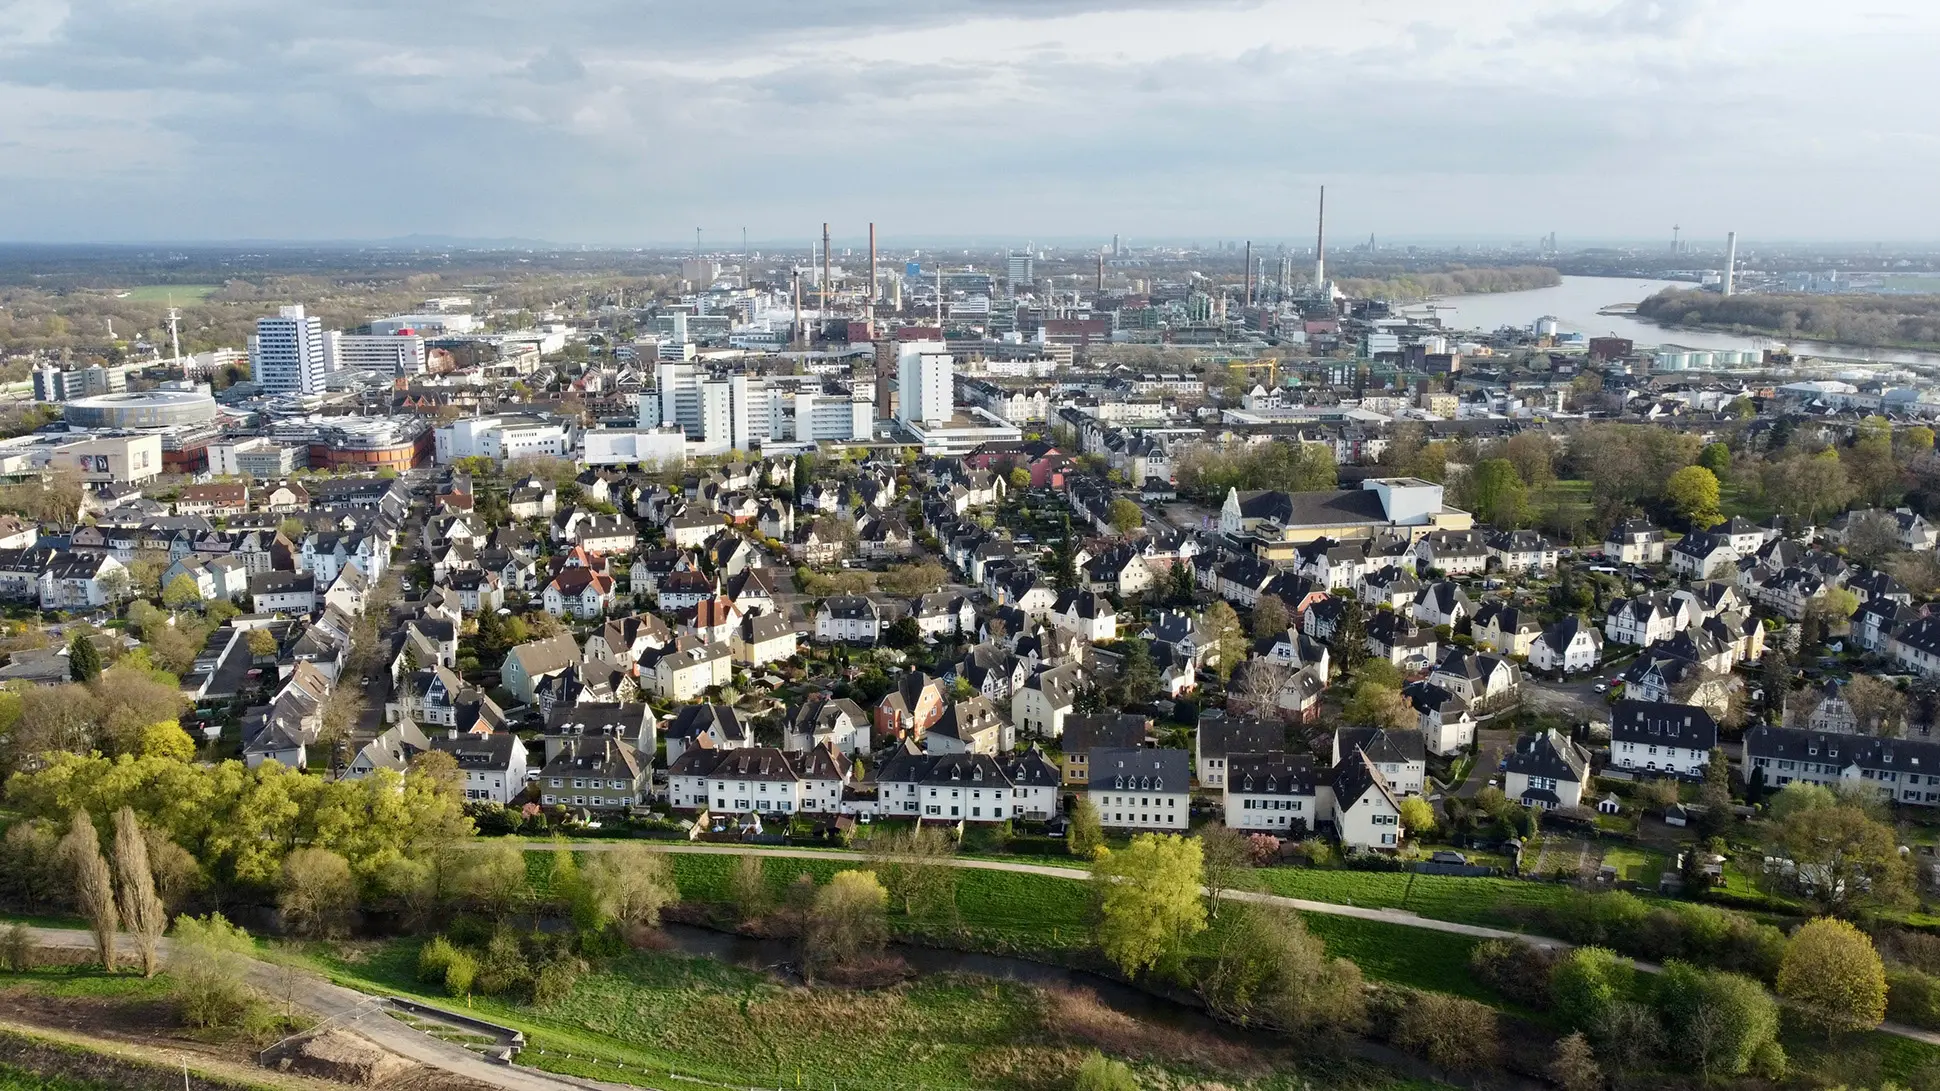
(633, 121)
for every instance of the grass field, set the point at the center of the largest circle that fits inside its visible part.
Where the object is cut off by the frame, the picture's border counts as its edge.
(1440, 897)
(648, 1016)
(1636, 865)
(180, 293)
(19, 1079)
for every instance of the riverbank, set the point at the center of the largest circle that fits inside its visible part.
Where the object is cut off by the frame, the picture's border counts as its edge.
(1892, 322)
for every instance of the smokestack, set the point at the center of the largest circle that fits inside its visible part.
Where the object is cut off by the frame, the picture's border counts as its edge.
(1320, 244)
(939, 298)
(1101, 276)
(825, 269)
(869, 309)
(795, 334)
(1249, 272)
(1730, 259)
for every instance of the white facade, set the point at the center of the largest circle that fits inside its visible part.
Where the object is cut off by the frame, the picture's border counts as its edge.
(503, 439)
(286, 353)
(924, 385)
(397, 354)
(648, 446)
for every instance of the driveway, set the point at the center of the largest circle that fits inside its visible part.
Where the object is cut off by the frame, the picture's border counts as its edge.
(1576, 699)
(1492, 744)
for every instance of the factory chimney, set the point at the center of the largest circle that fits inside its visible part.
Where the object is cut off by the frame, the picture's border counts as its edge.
(1320, 245)
(795, 332)
(1730, 259)
(1101, 274)
(869, 311)
(1249, 272)
(825, 269)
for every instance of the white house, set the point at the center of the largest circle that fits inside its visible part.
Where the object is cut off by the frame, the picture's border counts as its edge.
(1270, 793)
(491, 767)
(1366, 810)
(1634, 541)
(1400, 756)
(1086, 614)
(822, 720)
(1141, 788)
(1039, 706)
(1570, 646)
(1219, 736)
(686, 668)
(851, 619)
(1546, 772)
(1659, 737)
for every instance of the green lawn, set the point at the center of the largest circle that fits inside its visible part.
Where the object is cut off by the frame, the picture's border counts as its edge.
(181, 293)
(1440, 897)
(1636, 865)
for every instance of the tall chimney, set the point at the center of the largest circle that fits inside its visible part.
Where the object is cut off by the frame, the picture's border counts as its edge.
(1730, 259)
(869, 308)
(939, 298)
(795, 333)
(825, 269)
(1249, 272)
(1320, 244)
(1101, 273)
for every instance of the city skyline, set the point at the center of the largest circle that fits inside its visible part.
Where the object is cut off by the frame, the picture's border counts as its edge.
(1162, 119)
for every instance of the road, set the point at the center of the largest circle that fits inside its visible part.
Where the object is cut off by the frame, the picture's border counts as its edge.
(327, 1001)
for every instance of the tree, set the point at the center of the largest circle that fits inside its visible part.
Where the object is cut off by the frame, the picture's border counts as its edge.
(1138, 676)
(1832, 977)
(904, 632)
(83, 660)
(1180, 583)
(1692, 493)
(1533, 454)
(1715, 457)
(1417, 817)
(1717, 1021)
(1226, 638)
(181, 593)
(315, 892)
(911, 580)
(1495, 492)
(1845, 860)
(1256, 688)
(1224, 855)
(1586, 983)
(165, 739)
(1350, 637)
(1020, 478)
(208, 963)
(494, 877)
(1573, 1066)
(1877, 705)
(1270, 617)
(1125, 515)
(1832, 607)
(1376, 704)
(630, 884)
(1064, 571)
(914, 867)
(262, 643)
(93, 888)
(1085, 834)
(1148, 901)
(847, 920)
(1268, 970)
(1872, 536)
(136, 899)
(748, 887)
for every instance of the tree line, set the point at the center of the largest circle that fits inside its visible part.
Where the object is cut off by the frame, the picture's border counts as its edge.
(1912, 320)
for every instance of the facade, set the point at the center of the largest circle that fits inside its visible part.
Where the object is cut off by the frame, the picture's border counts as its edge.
(1547, 771)
(1271, 793)
(286, 353)
(400, 353)
(924, 385)
(1901, 770)
(1141, 789)
(1660, 737)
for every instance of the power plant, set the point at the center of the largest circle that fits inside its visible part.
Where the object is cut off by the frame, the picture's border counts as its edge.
(1730, 259)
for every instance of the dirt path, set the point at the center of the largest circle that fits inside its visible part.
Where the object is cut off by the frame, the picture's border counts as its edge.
(355, 1011)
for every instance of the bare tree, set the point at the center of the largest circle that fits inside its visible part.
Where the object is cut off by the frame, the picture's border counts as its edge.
(141, 907)
(1225, 854)
(94, 891)
(914, 867)
(1258, 687)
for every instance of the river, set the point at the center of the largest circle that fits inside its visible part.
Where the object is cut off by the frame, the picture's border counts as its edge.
(1575, 302)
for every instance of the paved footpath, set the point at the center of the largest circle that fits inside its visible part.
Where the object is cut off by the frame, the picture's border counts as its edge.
(1385, 916)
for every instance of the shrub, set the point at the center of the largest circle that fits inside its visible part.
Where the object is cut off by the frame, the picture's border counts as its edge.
(1449, 1031)
(554, 982)
(1912, 997)
(504, 968)
(434, 959)
(17, 949)
(459, 973)
(1101, 1073)
(208, 962)
(1519, 971)
(1586, 984)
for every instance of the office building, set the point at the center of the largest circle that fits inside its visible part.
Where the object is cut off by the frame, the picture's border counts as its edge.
(286, 354)
(394, 354)
(923, 379)
(503, 438)
(425, 325)
(54, 385)
(1017, 271)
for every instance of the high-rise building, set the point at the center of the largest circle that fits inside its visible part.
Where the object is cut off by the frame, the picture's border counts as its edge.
(398, 354)
(923, 383)
(741, 412)
(1017, 272)
(286, 354)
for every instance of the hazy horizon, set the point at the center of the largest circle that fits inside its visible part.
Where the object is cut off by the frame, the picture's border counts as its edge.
(982, 122)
